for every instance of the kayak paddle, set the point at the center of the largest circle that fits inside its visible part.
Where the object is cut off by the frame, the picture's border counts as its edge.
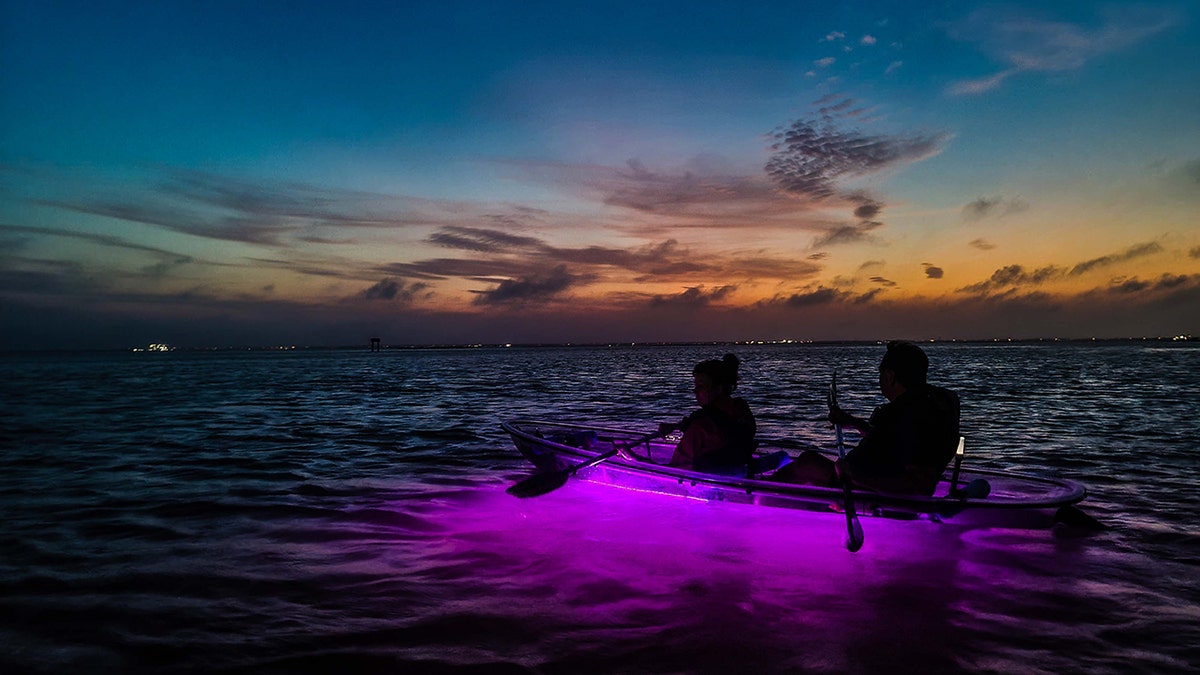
(854, 531)
(548, 481)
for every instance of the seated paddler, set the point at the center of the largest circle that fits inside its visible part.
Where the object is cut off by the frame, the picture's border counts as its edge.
(906, 443)
(719, 437)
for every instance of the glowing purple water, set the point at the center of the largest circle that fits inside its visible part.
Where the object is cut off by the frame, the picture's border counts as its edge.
(320, 511)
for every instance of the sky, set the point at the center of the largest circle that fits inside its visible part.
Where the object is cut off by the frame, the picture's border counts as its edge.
(226, 174)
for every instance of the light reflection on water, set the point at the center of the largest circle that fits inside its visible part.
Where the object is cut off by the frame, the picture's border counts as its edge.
(318, 510)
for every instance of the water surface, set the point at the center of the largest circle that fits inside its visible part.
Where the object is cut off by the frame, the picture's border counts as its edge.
(322, 510)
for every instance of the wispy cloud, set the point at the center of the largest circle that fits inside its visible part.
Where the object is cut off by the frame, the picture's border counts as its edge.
(694, 297)
(982, 244)
(223, 208)
(1130, 253)
(101, 239)
(1024, 43)
(436, 269)
(933, 271)
(820, 296)
(1014, 276)
(519, 263)
(539, 288)
(985, 207)
(1182, 179)
(482, 240)
(836, 235)
(395, 290)
(1167, 282)
(693, 196)
(811, 157)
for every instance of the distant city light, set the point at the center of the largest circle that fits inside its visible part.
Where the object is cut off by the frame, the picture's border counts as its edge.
(155, 347)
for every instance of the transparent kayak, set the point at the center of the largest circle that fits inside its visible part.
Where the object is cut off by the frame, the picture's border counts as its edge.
(589, 452)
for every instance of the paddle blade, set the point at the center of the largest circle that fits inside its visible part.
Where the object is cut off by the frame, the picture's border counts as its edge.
(540, 483)
(977, 489)
(854, 534)
(1072, 516)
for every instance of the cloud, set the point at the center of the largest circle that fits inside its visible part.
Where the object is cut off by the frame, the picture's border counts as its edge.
(662, 258)
(933, 271)
(867, 40)
(1167, 281)
(391, 289)
(867, 297)
(228, 209)
(766, 267)
(49, 279)
(980, 85)
(443, 268)
(820, 296)
(825, 62)
(1184, 180)
(867, 208)
(833, 36)
(522, 262)
(1130, 253)
(836, 109)
(482, 240)
(992, 206)
(982, 244)
(538, 287)
(893, 67)
(882, 281)
(1194, 252)
(698, 195)
(101, 239)
(1023, 43)
(846, 234)
(1014, 276)
(809, 158)
(694, 297)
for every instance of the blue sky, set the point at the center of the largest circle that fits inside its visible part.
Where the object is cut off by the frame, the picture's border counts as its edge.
(220, 174)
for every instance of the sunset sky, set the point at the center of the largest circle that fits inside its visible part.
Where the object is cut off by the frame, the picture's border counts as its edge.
(262, 173)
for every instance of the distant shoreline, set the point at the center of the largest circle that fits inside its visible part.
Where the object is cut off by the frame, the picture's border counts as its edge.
(612, 345)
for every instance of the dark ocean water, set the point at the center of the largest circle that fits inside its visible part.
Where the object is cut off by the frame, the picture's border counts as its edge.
(321, 511)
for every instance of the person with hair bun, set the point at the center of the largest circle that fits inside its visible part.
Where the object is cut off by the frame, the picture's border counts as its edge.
(719, 437)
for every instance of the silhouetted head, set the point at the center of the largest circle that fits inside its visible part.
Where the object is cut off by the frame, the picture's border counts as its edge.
(715, 378)
(907, 362)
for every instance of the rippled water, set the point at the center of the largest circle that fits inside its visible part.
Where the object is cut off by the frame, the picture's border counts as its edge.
(343, 510)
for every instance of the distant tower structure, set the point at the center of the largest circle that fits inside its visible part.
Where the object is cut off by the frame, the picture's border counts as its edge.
(375, 345)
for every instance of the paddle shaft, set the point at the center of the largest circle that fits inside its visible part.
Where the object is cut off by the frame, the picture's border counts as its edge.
(593, 461)
(854, 531)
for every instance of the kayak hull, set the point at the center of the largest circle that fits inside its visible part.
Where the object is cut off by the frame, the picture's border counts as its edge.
(557, 446)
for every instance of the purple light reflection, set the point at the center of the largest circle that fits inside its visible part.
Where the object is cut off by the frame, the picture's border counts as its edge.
(596, 570)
